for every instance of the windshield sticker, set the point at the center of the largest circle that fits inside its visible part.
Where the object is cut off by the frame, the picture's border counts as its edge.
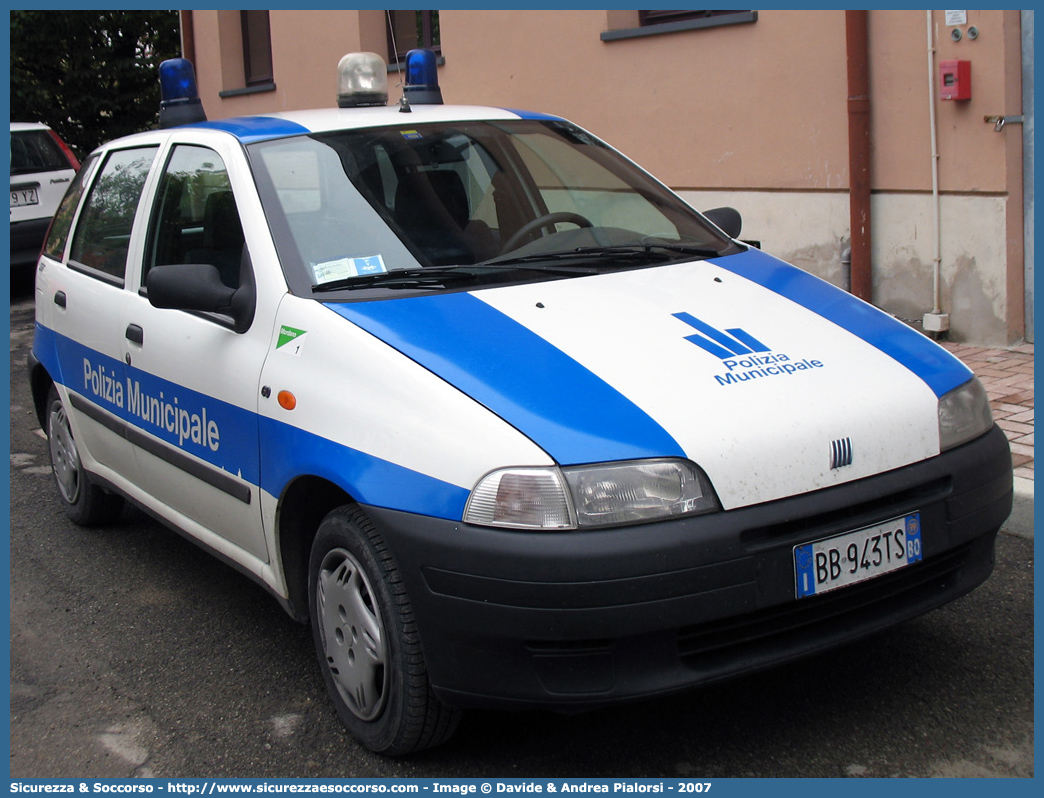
(342, 268)
(291, 340)
(411, 134)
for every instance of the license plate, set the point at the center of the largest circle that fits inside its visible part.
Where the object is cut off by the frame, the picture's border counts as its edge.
(24, 196)
(857, 556)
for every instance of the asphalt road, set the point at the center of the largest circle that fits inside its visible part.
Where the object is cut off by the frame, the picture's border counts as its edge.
(133, 653)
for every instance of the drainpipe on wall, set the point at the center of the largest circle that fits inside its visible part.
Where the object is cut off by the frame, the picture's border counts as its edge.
(188, 36)
(859, 150)
(936, 321)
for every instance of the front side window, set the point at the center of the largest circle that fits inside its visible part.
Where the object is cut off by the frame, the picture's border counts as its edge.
(196, 219)
(490, 201)
(102, 238)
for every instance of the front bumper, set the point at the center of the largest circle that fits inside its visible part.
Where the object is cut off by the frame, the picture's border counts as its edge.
(582, 619)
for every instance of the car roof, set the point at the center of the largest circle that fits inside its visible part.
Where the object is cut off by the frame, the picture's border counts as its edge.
(265, 127)
(295, 123)
(15, 126)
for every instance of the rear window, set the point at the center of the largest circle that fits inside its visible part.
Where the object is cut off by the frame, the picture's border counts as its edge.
(36, 151)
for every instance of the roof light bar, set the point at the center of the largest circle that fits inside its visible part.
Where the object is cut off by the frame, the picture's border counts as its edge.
(179, 99)
(422, 78)
(362, 80)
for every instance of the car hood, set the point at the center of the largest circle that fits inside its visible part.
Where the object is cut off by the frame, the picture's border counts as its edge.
(772, 381)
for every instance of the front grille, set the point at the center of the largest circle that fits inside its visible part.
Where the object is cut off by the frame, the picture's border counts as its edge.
(800, 623)
(800, 528)
(841, 453)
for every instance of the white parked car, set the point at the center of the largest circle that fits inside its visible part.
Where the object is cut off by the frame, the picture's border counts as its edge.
(42, 167)
(495, 411)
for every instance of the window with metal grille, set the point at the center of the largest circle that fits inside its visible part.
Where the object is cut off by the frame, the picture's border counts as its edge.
(679, 15)
(409, 30)
(257, 48)
(656, 23)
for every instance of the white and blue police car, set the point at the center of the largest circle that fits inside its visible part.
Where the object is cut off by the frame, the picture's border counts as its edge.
(495, 411)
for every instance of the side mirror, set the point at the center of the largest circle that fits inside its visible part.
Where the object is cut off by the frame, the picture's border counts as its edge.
(728, 219)
(198, 286)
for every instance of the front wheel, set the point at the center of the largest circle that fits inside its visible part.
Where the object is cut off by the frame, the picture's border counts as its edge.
(84, 502)
(367, 642)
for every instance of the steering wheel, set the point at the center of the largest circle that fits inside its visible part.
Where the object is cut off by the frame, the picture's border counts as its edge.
(544, 221)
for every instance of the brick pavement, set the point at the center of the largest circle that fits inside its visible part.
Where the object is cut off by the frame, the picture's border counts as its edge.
(1007, 376)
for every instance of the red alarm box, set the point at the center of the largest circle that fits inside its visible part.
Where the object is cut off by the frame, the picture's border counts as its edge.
(955, 80)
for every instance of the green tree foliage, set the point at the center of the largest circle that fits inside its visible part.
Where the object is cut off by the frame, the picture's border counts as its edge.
(91, 75)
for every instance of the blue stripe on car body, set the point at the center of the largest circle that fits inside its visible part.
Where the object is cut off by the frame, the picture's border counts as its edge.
(534, 115)
(571, 413)
(154, 405)
(287, 452)
(938, 368)
(45, 348)
(250, 129)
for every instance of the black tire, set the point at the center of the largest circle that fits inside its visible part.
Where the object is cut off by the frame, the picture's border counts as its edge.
(367, 642)
(85, 503)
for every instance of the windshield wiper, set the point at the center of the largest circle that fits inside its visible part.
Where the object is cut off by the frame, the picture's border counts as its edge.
(650, 246)
(548, 262)
(438, 276)
(628, 252)
(424, 277)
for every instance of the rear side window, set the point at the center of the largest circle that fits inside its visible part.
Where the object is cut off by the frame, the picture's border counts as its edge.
(102, 238)
(36, 151)
(63, 217)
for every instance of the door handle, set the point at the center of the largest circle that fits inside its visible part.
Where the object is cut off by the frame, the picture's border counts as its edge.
(135, 334)
(59, 299)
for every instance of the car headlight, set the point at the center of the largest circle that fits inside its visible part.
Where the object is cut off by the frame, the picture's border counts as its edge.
(606, 494)
(964, 413)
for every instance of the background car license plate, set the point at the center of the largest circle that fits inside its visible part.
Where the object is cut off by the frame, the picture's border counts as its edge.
(856, 556)
(24, 196)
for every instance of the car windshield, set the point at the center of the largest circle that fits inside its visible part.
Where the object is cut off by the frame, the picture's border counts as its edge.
(446, 205)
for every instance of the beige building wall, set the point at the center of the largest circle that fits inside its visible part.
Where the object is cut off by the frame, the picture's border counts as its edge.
(752, 115)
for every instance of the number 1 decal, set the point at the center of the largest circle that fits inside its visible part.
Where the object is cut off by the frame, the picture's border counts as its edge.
(291, 340)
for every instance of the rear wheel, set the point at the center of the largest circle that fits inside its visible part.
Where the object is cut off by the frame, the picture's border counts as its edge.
(367, 642)
(84, 502)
